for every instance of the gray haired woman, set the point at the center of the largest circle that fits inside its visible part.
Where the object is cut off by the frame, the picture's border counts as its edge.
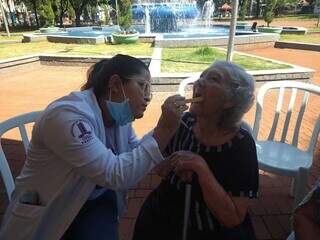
(217, 156)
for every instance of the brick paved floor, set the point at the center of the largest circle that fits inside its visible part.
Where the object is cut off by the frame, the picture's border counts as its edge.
(32, 88)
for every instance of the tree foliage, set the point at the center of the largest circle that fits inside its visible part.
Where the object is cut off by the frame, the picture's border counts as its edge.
(78, 7)
(268, 14)
(46, 13)
(125, 14)
(243, 9)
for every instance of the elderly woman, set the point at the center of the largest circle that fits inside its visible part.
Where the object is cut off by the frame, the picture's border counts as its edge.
(217, 156)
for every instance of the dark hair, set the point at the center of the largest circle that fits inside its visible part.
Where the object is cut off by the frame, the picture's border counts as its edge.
(123, 65)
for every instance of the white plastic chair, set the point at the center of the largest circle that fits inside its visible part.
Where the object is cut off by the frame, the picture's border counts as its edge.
(280, 157)
(184, 83)
(15, 122)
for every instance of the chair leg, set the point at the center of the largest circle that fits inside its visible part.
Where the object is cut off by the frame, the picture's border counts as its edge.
(300, 185)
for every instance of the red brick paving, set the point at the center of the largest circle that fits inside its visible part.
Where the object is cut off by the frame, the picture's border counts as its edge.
(28, 90)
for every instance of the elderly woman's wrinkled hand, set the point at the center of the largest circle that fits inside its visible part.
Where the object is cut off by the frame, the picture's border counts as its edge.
(172, 109)
(186, 163)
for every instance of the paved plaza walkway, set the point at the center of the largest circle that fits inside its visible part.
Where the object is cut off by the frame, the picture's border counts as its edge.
(24, 91)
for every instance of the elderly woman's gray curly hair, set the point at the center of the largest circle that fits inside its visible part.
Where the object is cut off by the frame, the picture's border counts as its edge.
(240, 92)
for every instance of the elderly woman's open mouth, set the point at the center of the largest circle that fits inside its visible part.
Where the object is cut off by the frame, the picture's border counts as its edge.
(197, 97)
(194, 100)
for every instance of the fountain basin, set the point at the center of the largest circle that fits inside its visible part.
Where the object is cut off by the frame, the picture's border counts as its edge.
(241, 41)
(294, 30)
(216, 35)
(270, 29)
(49, 30)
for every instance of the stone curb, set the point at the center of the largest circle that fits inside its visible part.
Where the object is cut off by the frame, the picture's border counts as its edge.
(297, 45)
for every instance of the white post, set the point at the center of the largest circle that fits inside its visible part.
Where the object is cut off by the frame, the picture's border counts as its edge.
(5, 19)
(117, 12)
(233, 25)
(250, 9)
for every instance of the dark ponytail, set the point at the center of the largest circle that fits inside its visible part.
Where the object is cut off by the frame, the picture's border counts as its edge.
(123, 65)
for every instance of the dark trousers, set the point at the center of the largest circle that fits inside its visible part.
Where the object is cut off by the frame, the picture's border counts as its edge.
(97, 219)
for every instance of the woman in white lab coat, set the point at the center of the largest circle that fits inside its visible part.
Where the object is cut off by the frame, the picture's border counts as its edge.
(84, 155)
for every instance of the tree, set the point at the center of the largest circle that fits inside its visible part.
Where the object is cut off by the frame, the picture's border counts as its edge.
(46, 13)
(257, 9)
(125, 14)
(268, 14)
(107, 10)
(63, 8)
(78, 6)
(34, 5)
(243, 9)
(11, 14)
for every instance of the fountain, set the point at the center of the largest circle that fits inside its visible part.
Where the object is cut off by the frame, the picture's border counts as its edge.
(170, 23)
(207, 12)
(164, 17)
(147, 21)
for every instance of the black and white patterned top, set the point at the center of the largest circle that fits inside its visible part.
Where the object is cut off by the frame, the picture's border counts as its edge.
(234, 165)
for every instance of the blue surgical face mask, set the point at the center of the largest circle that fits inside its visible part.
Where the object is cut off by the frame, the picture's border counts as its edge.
(120, 112)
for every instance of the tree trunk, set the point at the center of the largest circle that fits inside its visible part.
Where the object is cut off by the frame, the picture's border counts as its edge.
(258, 9)
(35, 12)
(78, 14)
(18, 18)
(10, 13)
(61, 13)
(61, 19)
(250, 8)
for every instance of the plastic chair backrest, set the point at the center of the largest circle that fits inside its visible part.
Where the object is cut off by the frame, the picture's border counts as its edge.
(15, 122)
(294, 87)
(184, 83)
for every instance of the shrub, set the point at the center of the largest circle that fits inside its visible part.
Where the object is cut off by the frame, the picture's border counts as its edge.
(204, 51)
(124, 13)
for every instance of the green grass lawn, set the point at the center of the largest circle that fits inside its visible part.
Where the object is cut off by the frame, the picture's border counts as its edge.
(21, 49)
(298, 17)
(14, 36)
(314, 29)
(5, 38)
(198, 59)
(308, 38)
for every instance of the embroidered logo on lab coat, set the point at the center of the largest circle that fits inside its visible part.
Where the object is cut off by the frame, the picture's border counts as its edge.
(81, 131)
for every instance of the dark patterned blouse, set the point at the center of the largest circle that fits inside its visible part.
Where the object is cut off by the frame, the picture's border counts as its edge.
(234, 165)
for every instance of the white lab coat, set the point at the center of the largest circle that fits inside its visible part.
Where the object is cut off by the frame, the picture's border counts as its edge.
(66, 159)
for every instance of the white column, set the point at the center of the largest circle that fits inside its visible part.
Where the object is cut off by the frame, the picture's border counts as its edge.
(233, 25)
(4, 19)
